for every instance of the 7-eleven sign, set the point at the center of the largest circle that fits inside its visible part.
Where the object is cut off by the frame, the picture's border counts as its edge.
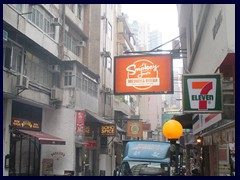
(202, 93)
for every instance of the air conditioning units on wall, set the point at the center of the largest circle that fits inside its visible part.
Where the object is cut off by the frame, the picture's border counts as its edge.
(56, 21)
(55, 68)
(22, 81)
(56, 94)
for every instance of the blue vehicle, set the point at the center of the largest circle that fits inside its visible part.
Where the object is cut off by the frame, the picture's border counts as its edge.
(145, 158)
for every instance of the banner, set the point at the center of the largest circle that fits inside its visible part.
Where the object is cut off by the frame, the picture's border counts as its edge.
(80, 119)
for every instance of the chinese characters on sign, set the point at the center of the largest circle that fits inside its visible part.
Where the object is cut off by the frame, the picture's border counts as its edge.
(80, 118)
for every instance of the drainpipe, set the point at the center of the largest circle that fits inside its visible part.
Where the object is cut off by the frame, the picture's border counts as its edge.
(61, 35)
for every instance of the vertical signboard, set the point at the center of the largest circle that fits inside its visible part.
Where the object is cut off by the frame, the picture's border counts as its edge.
(80, 118)
(134, 129)
(143, 74)
(202, 93)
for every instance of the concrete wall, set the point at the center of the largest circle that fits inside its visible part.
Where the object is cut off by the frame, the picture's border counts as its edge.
(211, 52)
(26, 27)
(60, 123)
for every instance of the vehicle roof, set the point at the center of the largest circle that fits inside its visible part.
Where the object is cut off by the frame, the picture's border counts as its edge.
(147, 151)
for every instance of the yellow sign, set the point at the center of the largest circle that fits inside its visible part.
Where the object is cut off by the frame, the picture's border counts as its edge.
(25, 124)
(108, 130)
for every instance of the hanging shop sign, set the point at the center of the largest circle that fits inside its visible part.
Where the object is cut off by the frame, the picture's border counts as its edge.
(146, 127)
(80, 119)
(134, 129)
(143, 74)
(202, 93)
(26, 124)
(88, 130)
(108, 130)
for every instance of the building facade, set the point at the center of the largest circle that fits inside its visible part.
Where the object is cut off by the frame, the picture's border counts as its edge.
(208, 34)
(57, 92)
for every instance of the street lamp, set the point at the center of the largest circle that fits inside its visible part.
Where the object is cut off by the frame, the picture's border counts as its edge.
(173, 130)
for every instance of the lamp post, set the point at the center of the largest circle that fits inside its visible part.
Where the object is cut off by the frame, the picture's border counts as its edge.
(172, 130)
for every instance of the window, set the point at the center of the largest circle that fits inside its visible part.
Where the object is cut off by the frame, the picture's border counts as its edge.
(109, 64)
(12, 55)
(79, 80)
(37, 70)
(85, 84)
(7, 51)
(42, 19)
(109, 30)
(68, 78)
(71, 43)
(89, 85)
(79, 11)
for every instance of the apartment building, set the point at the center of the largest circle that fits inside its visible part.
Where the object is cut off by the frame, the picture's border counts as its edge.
(57, 92)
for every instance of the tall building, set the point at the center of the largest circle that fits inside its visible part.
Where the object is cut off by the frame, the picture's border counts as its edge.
(140, 31)
(155, 39)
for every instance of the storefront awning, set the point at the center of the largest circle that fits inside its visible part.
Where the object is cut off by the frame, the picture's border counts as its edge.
(44, 138)
(185, 120)
(93, 117)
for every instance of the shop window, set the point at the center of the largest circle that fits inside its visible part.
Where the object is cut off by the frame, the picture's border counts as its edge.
(25, 111)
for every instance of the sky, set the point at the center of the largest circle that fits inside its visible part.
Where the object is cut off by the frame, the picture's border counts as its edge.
(163, 17)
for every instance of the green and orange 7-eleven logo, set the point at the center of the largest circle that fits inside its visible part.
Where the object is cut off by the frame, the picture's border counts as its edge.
(202, 93)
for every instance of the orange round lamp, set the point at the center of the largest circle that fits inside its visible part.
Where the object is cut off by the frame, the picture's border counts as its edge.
(172, 129)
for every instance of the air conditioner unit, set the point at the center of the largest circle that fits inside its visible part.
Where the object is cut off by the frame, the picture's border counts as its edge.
(55, 68)
(108, 90)
(81, 44)
(56, 94)
(22, 81)
(56, 21)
